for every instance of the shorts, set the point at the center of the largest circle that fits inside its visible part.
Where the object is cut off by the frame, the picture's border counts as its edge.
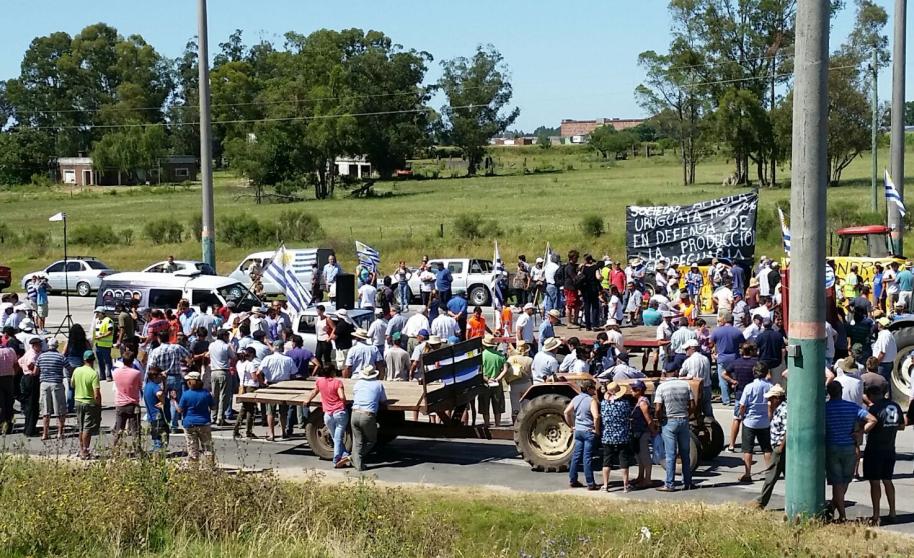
(127, 417)
(618, 454)
(493, 396)
(878, 464)
(760, 435)
(52, 400)
(571, 298)
(88, 418)
(42, 310)
(641, 446)
(839, 464)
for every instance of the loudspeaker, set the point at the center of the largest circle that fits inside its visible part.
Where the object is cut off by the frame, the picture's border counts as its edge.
(345, 291)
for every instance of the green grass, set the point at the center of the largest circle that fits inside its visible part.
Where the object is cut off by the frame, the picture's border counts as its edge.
(149, 507)
(404, 222)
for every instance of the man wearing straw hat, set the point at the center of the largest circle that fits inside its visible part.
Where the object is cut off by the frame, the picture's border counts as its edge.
(362, 354)
(545, 365)
(519, 378)
(367, 397)
(494, 369)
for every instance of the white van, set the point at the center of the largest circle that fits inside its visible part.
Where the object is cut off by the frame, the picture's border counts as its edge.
(303, 259)
(164, 290)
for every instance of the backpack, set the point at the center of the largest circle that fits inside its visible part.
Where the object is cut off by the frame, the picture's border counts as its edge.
(381, 298)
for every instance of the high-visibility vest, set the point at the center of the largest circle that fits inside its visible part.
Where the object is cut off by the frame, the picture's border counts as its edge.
(104, 327)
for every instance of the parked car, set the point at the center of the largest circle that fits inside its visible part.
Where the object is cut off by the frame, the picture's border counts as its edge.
(304, 324)
(6, 277)
(84, 274)
(182, 265)
(472, 275)
(303, 259)
(164, 290)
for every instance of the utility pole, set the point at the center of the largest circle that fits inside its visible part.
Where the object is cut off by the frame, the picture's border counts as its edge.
(897, 161)
(875, 130)
(208, 235)
(806, 346)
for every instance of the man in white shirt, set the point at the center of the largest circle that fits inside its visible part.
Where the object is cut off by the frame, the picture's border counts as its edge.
(552, 290)
(697, 366)
(276, 367)
(445, 326)
(764, 288)
(416, 323)
(891, 288)
(885, 350)
(523, 327)
(724, 299)
(367, 295)
(664, 333)
(830, 336)
(615, 312)
(851, 386)
(377, 331)
(538, 282)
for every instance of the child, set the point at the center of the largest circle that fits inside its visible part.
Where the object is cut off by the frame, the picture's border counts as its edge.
(615, 417)
(195, 407)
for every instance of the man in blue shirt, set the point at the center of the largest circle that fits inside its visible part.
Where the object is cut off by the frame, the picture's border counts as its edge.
(443, 282)
(457, 307)
(547, 327)
(841, 419)
(727, 340)
(652, 316)
(753, 411)
(328, 276)
(367, 397)
(154, 399)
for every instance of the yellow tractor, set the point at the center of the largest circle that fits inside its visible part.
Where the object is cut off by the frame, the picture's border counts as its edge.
(863, 246)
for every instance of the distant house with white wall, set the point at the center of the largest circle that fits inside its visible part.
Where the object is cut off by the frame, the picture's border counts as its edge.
(354, 167)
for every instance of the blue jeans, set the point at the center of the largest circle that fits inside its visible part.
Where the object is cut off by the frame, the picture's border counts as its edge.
(582, 455)
(405, 294)
(552, 298)
(885, 370)
(336, 424)
(722, 362)
(105, 365)
(676, 436)
(175, 384)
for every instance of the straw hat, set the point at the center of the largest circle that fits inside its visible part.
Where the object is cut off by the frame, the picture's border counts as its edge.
(368, 373)
(489, 340)
(360, 333)
(522, 348)
(192, 376)
(775, 391)
(617, 390)
(552, 344)
(435, 340)
(555, 314)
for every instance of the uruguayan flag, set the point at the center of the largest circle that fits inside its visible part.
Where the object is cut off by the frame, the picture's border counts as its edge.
(892, 195)
(280, 272)
(785, 232)
(368, 256)
(498, 271)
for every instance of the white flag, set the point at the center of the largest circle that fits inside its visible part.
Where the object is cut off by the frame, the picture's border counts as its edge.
(57, 217)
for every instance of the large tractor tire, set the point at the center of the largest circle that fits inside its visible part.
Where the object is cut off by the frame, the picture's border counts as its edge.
(904, 369)
(320, 438)
(694, 455)
(711, 439)
(542, 436)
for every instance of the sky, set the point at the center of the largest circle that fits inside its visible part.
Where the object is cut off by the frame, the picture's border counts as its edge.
(571, 59)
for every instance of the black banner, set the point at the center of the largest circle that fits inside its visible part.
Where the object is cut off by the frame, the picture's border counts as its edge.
(721, 228)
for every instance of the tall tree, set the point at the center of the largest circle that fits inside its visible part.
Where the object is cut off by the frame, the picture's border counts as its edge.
(477, 90)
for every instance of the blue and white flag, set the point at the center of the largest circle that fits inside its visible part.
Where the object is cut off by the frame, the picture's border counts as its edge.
(280, 272)
(892, 195)
(368, 256)
(785, 232)
(498, 271)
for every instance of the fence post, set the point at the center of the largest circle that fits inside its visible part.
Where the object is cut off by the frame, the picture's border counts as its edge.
(441, 230)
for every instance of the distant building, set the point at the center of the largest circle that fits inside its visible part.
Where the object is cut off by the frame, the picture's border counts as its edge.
(355, 167)
(571, 128)
(79, 171)
(525, 140)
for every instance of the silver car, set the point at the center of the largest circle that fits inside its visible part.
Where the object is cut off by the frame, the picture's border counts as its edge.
(81, 274)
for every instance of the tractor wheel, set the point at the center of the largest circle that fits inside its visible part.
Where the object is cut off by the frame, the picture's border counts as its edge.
(694, 455)
(542, 436)
(710, 439)
(904, 366)
(319, 437)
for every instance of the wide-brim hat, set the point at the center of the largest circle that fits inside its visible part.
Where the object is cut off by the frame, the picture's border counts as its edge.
(26, 325)
(435, 340)
(360, 333)
(775, 391)
(368, 373)
(753, 282)
(522, 348)
(555, 314)
(884, 322)
(489, 340)
(635, 261)
(617, 390)
(529, 306)
(552, 344)
(192, 376)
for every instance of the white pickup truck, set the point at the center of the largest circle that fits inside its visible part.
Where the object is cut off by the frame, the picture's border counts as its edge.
(472, 275)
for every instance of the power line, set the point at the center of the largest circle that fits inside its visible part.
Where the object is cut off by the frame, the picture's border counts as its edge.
(753, 78)
(786, 56)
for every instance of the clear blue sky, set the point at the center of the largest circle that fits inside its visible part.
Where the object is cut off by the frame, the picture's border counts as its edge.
(571, 59)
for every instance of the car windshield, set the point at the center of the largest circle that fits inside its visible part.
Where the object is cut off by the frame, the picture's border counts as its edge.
(239, 294)
(95, 264)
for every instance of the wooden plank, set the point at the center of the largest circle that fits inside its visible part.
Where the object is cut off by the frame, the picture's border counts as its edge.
(402, 396)
(448, 352)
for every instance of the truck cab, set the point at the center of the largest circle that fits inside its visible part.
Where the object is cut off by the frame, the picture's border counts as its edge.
(864, 246)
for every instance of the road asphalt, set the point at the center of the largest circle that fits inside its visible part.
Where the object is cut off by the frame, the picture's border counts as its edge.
(481, 463)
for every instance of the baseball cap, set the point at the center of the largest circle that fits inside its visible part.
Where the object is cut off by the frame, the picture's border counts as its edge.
(637, 384)
(423, 333)
(691, 343)
(88, 355)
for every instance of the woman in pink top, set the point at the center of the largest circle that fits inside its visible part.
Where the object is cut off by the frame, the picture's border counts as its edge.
(333, 403)
(128, 383)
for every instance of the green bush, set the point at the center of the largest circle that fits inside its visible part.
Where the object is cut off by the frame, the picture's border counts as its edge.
(245, 231)
(95, 234)
(166, 230)
(127, 237)
(299, 226)
(471, 226)
(195, 226)
(593, 226)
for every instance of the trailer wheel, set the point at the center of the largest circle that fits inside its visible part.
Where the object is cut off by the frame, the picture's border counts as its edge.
(694, 456)
(543, 438)
(710, 439)
(389, 423)
(319, 438)
(902, 372)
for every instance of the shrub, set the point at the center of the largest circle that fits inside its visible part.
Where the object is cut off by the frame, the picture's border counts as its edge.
(240, 230)
(127, 237)
(195, 226)
(592, 225)
(470, 226)
(37, 242)
(95, 234)
(299, 226)
(166, 230)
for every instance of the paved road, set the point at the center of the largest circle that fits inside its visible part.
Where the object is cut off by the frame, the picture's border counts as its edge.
(487, 463)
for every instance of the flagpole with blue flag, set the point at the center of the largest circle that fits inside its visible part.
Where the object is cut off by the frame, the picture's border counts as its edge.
(367, 256)
(785, 232)
(498, 297)
(892, 195)
(280, 272)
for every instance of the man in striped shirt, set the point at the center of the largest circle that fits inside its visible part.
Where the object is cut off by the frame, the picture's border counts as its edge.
(167, 359)
(52, 368)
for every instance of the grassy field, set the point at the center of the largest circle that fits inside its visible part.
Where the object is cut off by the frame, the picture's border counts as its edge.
(535, 197)
(153, 508)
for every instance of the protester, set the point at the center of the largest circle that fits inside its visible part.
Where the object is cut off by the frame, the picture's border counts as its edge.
(155, 401)
(519, 378)
(698, 367)
(333, 403)
(128, 384)
(726, 341)
(615, 422)
(362, 354)
(87, 395)
(274, 368)
(841, 419)
(249, 382)
(103, 338)
(879, 454)
(396, 361)
(756, 422)
(221, 359)
(583, 414)
(644, 428)
(368, 396)
(195, 407)
(53, 369)
(169, 359)
(885, 350)
(494, 369)
(738, 374)
(30, 387)
(673, 401)
(545, 366)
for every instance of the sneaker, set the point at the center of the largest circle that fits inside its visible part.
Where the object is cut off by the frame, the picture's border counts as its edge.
(592, 487)
(666, 488)
(627, 488)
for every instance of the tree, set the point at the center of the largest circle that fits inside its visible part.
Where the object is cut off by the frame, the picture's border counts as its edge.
(607, 141)
(909, 113)
(477, 91)
(849, 118)
(745, 126)
(134, 152)
(542, 140)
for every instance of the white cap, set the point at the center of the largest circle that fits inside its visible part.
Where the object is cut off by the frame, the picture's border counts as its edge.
(529, 306)
(691, 343)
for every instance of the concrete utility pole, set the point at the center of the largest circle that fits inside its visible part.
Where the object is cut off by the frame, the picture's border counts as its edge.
(897, 161)
(875, 131)
(806, 346)
(208, 235)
